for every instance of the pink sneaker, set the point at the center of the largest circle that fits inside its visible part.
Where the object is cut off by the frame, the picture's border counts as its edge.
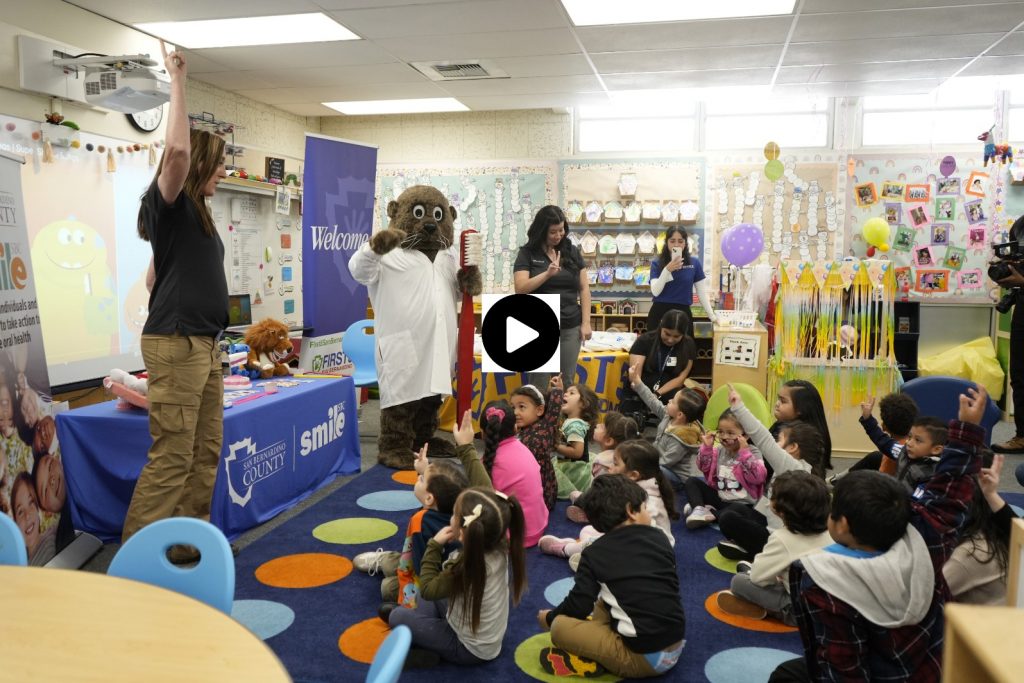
(576, 514)
(553, 545)
(574, 496)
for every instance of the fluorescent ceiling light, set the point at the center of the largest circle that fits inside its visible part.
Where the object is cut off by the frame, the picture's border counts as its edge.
(688, 96)
(600, 12)
(421, 106)
(278, 30)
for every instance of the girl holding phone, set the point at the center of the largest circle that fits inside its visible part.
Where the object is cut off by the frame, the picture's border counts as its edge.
(675, 274)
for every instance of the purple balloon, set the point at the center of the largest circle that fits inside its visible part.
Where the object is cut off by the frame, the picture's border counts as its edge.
(742, 244)
(947, 166)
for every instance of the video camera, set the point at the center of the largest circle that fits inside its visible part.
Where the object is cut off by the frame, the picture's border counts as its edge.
(1006, 254)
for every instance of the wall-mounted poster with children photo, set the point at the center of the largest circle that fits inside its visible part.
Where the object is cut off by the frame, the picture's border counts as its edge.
(941, 224)
(32, 490)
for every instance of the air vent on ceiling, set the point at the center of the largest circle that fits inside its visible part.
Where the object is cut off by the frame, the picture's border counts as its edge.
(462, 70)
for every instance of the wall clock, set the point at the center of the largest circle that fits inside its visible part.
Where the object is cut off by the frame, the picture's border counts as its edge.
(147, 121)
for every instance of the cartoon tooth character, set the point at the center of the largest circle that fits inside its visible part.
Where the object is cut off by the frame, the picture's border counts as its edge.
(136, 311)
(75, 288)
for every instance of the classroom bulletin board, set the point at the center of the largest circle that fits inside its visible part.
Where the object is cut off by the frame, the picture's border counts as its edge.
(498, 201)
(942, 220)
(801, 214)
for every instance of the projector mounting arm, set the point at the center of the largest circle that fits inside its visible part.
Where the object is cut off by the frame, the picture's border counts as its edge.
(125, 61)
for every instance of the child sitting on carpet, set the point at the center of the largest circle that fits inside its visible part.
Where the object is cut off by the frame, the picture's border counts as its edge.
(637, 460)
(798, 399)
(463, 614)
(917, 458)
(897, 544)
(679, 430)
(638, 622)
(798, 447)
(537, 427)
(572, 469)
(801, 501)
(512, 467)
(615, 429)
(437, 486)
(898, 412)
(733, 473)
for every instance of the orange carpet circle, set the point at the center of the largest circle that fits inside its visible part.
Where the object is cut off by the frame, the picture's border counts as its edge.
(405, 477)
(304, 570)
(360, 641)
(767, 625)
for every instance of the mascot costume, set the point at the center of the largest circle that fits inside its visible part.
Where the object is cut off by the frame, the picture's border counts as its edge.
(414, 283)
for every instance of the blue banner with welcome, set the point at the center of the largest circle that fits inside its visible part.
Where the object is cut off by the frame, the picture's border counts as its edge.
(338, 185)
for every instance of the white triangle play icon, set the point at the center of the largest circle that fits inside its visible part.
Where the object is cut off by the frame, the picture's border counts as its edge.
(517, 335)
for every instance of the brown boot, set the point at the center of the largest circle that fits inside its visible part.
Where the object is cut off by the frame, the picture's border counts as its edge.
(1011, 447)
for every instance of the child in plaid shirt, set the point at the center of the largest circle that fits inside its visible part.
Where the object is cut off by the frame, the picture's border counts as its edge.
(870, 606)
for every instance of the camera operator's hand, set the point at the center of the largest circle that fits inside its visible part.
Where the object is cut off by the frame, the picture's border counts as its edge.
(1015, 280)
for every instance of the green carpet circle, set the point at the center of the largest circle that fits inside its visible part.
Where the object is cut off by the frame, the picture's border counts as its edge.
(355, 530)
(528, 660)
(715, 559)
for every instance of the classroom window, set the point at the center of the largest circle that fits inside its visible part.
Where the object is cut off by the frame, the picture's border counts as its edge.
(956, 113)
(789, 121)
(635, 134)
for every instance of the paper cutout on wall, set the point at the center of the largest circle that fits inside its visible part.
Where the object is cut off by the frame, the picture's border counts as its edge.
(738, 350)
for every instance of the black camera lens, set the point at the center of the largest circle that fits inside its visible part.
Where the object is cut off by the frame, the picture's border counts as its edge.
(999, 270)
(1006, 303)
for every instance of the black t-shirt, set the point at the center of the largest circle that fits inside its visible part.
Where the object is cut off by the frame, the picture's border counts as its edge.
(190, 294)
(566, 284)
(668, 361)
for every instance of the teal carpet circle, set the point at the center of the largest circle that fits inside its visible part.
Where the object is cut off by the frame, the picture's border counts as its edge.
(389, 501)
(745, 664)
(265, 618)
(557, 590)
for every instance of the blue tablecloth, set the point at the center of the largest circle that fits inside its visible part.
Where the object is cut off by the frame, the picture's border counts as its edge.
(277, 450)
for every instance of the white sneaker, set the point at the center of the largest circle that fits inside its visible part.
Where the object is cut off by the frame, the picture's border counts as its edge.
(378, 560)
(687, 509)
(700, 517)
(574, 561)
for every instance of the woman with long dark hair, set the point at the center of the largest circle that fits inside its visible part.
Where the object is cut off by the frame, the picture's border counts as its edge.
(188, 311)
(550, 264)
(675, 274)
(664, 358)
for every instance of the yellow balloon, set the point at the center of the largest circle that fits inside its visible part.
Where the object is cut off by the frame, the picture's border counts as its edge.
(883, 246)
(771, 151)
(876, 232)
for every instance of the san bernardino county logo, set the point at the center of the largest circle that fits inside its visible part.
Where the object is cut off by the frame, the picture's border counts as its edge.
(251, 466)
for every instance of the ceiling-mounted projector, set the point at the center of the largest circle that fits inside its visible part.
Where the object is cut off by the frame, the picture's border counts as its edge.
(126, 89)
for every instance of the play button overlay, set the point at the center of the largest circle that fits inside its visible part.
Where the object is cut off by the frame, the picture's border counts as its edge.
(520, 333)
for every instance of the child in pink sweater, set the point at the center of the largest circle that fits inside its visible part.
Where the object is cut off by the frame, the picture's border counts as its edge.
(513, 469)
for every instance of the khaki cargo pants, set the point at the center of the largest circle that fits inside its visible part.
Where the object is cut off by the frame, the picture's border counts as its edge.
(186, 421)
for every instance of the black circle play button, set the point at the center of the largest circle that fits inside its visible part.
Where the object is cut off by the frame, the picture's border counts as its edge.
(520, 332)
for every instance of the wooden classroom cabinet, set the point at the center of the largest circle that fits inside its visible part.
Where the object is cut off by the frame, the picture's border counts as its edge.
(740, 355)
(982, 644)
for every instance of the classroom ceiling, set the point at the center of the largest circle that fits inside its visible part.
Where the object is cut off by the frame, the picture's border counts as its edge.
(825, 47)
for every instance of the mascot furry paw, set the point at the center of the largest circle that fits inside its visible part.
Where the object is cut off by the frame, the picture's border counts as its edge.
(269, 345)
(414, 282)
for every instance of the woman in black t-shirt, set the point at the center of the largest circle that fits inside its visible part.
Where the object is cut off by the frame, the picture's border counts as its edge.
(666, 357)
(188, 311)
(550, 264)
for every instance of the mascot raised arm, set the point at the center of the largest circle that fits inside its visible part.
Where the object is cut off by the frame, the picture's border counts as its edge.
(414, 283)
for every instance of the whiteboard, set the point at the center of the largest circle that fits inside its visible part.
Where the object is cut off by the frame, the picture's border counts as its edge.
(262, 250)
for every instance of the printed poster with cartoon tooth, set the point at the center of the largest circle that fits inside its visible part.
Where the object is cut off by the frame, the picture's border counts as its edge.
(32, 486)
(738, 350)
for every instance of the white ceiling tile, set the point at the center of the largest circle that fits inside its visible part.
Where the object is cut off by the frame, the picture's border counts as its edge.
(344, 93)
(996, 66)
(798, 74)
(688, 79)
(934, 68)
(828, 6)
(887, 50)
(307, 109)
(537, 101)
(947, 21)
(480, 45)
(453, 18)
(840, 89)
(544, 65)
(236, 80)
(679, 35)
(1011, 45)
(139, 11)
(338, 53)
(198, 63)
(522, 86)
(687, 60)
(340, 75)
(331, 5)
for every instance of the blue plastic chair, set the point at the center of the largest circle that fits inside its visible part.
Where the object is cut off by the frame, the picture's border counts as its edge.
(387, 663)
(937, 396)
(12, 543)
(144, 558)
(358, 345)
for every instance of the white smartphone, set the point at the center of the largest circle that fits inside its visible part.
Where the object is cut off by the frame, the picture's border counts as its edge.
(677, 252)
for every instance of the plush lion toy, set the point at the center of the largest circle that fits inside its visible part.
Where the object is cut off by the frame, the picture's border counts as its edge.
(414, 282)
(269, 344)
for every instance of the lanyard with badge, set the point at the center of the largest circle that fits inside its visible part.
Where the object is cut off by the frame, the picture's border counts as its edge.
(669, 360)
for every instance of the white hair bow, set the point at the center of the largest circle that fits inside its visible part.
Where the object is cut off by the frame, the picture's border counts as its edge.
(468, 519)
